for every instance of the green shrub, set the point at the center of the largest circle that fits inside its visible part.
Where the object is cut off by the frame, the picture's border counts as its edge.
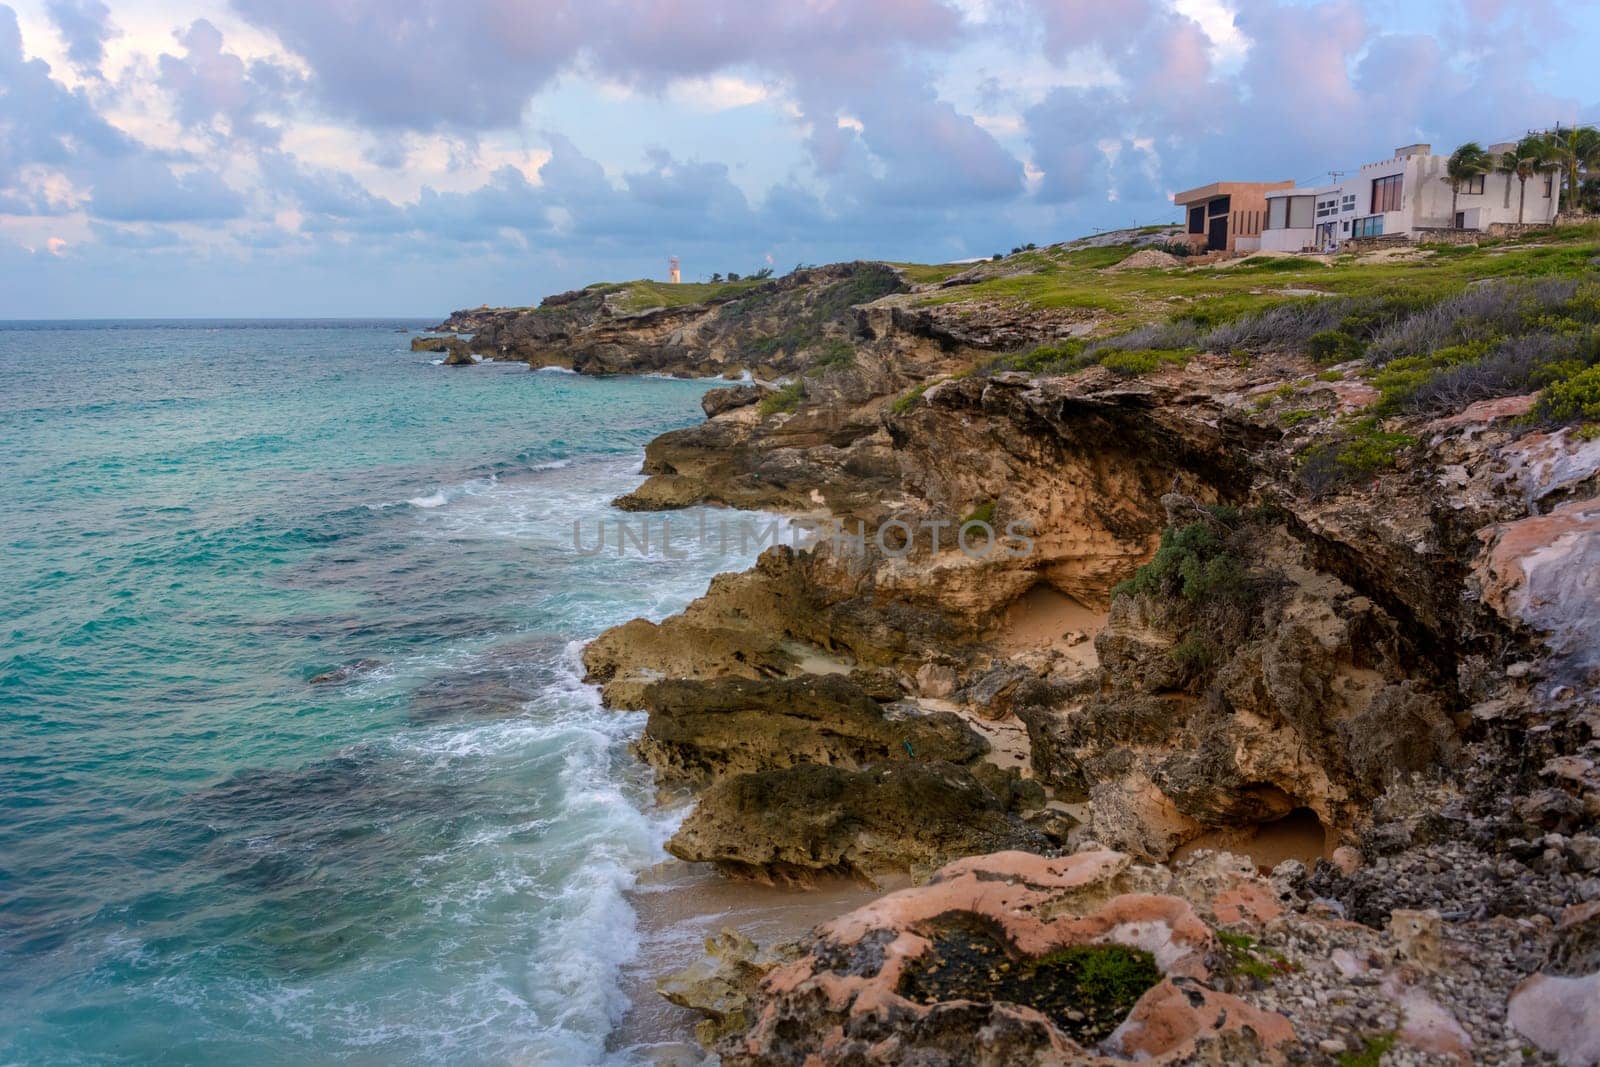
(784, 399)
(1334, 346)
(1144, 360)
(834, 352)
(1360, 453)
(1193, 562)
(1295, 418)
(1061, 358)
(1572, 399)
(903, 404)
(1400, 379)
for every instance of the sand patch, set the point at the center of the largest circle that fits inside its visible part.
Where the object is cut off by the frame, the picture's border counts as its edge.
(1044, 619)
(1299, 835)
(679, 905)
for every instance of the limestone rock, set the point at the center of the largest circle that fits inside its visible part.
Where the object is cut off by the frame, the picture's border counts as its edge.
(976, 967)
(730, 397)
(720, 985)
(808, 819)
(1556, 1009)
(700, 730)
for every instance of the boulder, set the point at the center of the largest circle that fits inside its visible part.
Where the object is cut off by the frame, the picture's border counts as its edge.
(808, 819)
(721, 984)
(717, 401)
(701, 730)
(1556, 1008)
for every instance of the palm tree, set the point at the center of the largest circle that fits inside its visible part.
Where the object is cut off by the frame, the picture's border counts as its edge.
(1576, 149)
(1530, 156)
(1465, 163)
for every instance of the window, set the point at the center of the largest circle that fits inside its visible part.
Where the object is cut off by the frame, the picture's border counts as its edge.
(1197, 219)
(1371, 226)
(1549, 184)
(1473, 186)
(1327, 207)
(1348, 203)
(1278, 213)
(1386, 193)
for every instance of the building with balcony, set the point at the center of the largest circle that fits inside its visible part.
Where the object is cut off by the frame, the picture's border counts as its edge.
(1407, 196)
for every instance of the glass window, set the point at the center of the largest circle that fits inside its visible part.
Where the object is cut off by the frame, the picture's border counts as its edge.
(1386, 193)
(1278, 213)
(1473, 185)
(1371, 226)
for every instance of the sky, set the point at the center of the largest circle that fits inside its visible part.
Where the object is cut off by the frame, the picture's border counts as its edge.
(224, 158)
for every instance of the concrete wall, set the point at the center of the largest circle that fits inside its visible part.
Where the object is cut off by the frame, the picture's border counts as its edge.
(1286, 240)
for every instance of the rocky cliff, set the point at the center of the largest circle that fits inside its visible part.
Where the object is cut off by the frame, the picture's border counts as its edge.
(1194, 564)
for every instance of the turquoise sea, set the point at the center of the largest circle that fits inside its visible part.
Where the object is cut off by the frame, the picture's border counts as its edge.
(423, 855)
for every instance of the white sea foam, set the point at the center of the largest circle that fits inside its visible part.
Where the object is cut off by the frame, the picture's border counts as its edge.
(555, 370)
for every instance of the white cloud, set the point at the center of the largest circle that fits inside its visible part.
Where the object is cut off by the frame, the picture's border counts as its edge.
(720, 92)
(1228, 44)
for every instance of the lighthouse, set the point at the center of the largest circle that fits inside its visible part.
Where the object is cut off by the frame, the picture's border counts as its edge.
(674, 275)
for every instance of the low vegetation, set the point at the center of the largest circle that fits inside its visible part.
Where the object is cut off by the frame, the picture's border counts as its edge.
(1086, 990)
(1244, 956)
(1359, 450)
(1201, 579)
(784, 399)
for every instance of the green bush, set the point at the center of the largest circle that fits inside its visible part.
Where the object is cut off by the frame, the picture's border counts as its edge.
(1144, 360)
(905, 403)
(834, 352)
(1335, 346)
(784, 399)
(1361, 453)
(1572, 399)
(1193, 562)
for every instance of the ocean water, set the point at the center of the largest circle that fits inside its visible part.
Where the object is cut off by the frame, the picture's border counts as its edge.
(206, 856)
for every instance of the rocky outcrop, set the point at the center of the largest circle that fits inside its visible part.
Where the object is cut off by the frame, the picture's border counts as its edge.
(732, 397)
(722, 984)
(809, 819)
(700, 730)
(771, 329)
(1010, 958)
(1377, 681)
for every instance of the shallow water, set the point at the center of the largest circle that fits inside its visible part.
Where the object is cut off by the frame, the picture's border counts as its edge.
(425, 855)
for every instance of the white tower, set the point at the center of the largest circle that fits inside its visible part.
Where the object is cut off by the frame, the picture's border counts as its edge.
(674, 275)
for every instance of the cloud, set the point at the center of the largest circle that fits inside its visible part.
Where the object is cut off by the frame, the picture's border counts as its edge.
(217, 89)
(138, 188)
(85, 26)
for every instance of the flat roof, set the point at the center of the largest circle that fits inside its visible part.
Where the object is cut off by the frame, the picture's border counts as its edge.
(1215, 189)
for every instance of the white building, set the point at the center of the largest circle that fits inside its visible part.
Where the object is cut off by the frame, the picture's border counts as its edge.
(1403, 195)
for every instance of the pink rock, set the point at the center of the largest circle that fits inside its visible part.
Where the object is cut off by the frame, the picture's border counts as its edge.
(1544, 572)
